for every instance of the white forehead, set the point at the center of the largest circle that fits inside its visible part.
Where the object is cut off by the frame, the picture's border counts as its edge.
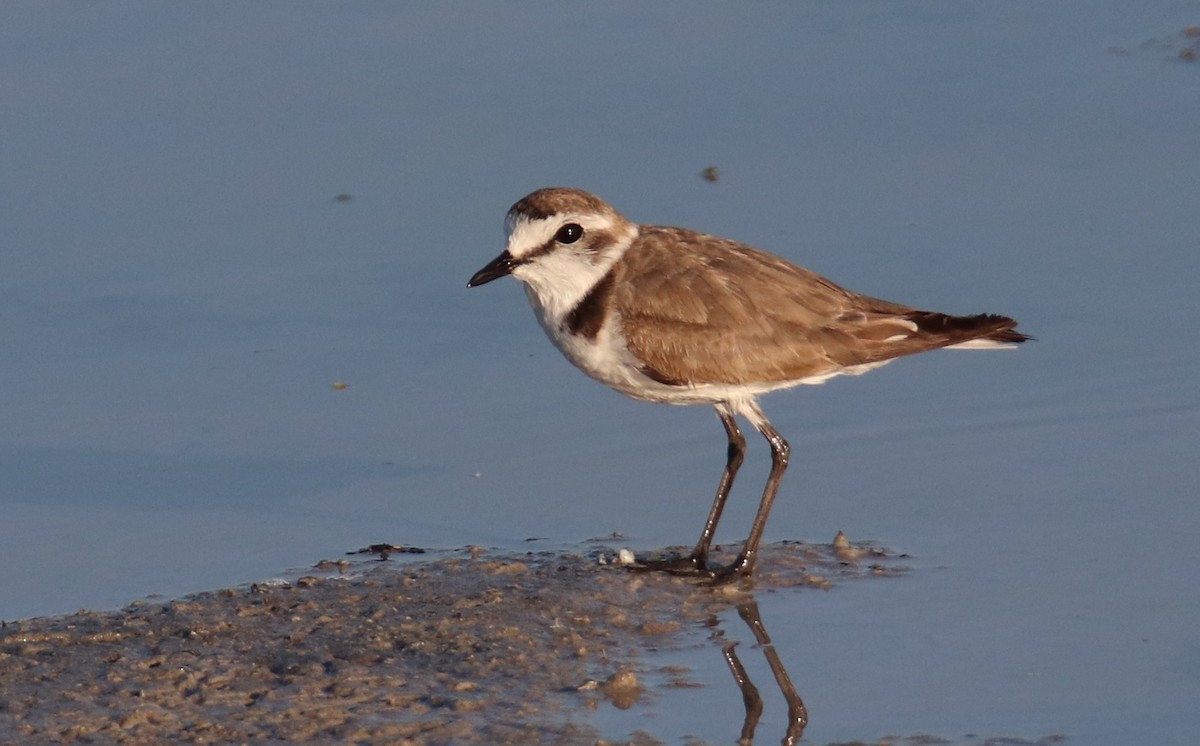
(527, 235)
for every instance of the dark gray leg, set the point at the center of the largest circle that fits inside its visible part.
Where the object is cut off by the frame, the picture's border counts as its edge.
(735, 454)
(780, 452)
(696, 562)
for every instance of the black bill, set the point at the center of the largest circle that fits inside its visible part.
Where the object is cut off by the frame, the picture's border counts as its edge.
(498, 267)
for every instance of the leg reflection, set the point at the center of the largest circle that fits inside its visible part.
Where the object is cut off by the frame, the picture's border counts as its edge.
(750, 696)
(797, 713)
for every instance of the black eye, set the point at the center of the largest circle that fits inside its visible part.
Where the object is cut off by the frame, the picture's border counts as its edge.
(569, 233)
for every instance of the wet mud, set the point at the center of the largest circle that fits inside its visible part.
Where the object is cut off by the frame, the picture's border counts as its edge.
(470, 648)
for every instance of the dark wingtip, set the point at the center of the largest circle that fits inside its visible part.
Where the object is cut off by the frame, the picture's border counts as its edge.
(1006, 332)
(989, 326)
(1011, 336)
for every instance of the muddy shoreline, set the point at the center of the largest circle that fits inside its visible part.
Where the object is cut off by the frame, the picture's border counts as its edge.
(476, 648)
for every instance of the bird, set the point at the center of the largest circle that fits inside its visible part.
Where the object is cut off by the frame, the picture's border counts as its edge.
(677, 316)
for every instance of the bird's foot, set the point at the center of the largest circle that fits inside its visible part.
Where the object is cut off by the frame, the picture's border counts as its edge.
(696, 566)
(736, 571)
(691, 565)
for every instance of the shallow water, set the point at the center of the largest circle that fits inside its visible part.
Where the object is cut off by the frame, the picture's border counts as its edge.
(180, 290)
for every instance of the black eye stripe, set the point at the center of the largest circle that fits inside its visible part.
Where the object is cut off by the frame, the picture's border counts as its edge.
(569, 233)
(598, 237)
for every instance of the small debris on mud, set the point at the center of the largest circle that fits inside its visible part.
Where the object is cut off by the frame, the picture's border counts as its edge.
(622, 688)
(386, 550)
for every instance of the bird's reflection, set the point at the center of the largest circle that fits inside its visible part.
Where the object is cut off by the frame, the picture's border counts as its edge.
(797, 717)
(789, 565)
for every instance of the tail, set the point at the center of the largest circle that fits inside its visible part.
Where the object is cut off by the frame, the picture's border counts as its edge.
(981, 331)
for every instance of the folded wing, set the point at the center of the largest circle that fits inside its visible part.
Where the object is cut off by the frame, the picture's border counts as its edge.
(699, 310)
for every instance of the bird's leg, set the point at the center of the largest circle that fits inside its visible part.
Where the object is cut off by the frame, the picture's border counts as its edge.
(780, 451)
(696, 563)
(734, 456)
